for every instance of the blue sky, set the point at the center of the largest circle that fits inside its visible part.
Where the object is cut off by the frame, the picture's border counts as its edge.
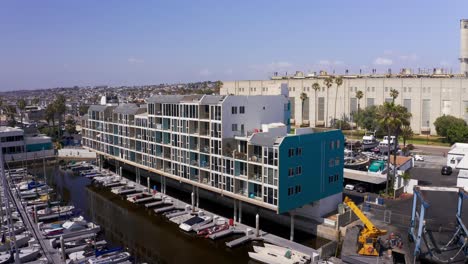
(47, 44)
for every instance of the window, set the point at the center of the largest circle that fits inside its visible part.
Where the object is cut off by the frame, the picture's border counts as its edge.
(368, 89)
(338, 144)
(234, 127)
(291, 152)
(337, 161)
(336, 177)
(332, 144)
(298, 170)
(290, 191)
(428, 89)
(291, 172)
(424, 89)
(330, 163)
(299, 152)
(298, 189)
(386, 89)
(373, 89)
(234, 110)
(241, 109)
(404, 89)
(409, 89)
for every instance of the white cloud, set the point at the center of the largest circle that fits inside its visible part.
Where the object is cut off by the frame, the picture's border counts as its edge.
(205, 72)
(383, 61)
(408, 57)
(133, 60)
(274, 66)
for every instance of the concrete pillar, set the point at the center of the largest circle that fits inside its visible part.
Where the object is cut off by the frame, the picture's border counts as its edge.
(193, 202)
(240, 212)
(291, 237)
(148, 184)
(62, 248)
(36, 219)
(257, 225)
(235, 211)
(198, 197)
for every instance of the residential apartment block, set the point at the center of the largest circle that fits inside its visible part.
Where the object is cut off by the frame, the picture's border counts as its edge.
(235, 146)
(426, 96)
(16, 146)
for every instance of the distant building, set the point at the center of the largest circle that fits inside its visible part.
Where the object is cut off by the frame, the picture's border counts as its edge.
(16, 146)
(457, 158)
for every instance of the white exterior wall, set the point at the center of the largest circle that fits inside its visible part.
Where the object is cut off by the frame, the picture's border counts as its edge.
(452, 90)
(258, 110)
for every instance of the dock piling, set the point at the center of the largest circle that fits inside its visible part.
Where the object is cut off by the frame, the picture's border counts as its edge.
(240, 212)
(257, 225)
(235, 211)
(291, 237)
(193, 202)
(62, 248)
(148, 184)
(198, 198)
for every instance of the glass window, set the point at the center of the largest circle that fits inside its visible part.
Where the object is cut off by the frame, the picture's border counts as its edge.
(234, 127)
(234, 110)
(241, 109)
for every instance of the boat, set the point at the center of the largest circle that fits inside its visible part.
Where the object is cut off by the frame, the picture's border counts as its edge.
(111, 258)
(357, 162)
(387, 144)
(378, 167)
(54, 212)
(66, 227)
(21, 241)
(199, 219)
(278, 255)
(25, 255)
(215, 229)
(369, 141)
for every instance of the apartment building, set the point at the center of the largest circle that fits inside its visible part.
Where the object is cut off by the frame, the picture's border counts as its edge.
(238, 147)
(16, 146)
(426, 96)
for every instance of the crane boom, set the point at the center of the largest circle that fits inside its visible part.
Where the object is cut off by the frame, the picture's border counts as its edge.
(368, 236)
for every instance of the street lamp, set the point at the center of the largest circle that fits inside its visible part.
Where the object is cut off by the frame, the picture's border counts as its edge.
(428, 132)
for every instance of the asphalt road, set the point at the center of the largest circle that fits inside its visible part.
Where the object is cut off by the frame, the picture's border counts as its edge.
(433, 150)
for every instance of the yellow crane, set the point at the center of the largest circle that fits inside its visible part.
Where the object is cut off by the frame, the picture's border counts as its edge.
(369, 234)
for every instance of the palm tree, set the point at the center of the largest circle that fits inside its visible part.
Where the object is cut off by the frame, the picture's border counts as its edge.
(35, 101)
(394, 94)
(406, 133)
(50, 116)
(303, 98)
(21, 106)
(392, 117)
(316, 87)
(339, 82)
(328, 83)
(60, 109)
(10, 112)
(359, 96)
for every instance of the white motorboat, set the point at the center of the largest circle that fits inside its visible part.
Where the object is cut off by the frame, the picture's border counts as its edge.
(199, 220)
(369, 141)
(67, 227)
(21, 241)
(115, 257)
(54, 212)
(278, 255)
(25, 255)
(388, 144)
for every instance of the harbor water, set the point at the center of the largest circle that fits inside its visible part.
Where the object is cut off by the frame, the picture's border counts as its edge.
(152, 238)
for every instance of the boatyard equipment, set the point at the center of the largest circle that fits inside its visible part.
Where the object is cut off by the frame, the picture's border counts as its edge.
(369, 234)
(459, 240)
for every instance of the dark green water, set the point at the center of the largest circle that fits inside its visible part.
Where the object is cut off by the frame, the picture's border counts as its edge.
(152, 238)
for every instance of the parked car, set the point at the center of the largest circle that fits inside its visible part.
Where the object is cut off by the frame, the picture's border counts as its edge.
(349, 187)
(418, 158)
(361, 188)
(446, 170)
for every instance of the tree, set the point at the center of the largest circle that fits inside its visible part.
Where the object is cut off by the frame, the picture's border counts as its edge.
(10, 112)
(218, 86)
(367, 118)
(35, 101)
(339, 82)
(394, 94)
(457, 133)
(70, 125)
(50, 115)
(392, 117)
(328, 83)
(442, 124)
(60, 109)
(359, 96)
(406, 133)
(316, 87)
(303, 98)
(83, 110)
(21, 106)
